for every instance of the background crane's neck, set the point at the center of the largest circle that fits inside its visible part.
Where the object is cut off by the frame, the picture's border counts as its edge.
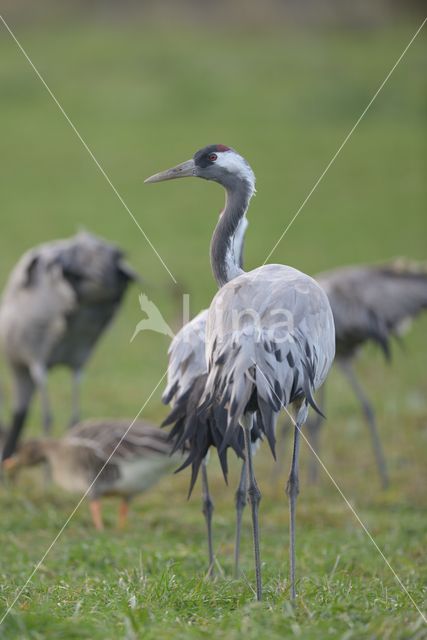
(228, 238)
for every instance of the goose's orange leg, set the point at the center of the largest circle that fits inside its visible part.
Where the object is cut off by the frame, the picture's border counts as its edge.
(123, 514)
(95, 510)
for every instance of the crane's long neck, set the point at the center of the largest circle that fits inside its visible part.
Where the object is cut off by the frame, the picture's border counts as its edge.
(228, 238)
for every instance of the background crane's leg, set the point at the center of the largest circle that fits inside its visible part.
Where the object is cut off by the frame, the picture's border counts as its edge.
(254, 499)
(313, 427)
(46, 412)
(39, 375)
(292, 490)
(369, 414)
(208, 508)
(241, 500)
(23, 392)
(75, 398)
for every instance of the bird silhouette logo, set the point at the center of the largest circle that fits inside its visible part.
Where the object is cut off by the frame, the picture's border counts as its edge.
(154, 320)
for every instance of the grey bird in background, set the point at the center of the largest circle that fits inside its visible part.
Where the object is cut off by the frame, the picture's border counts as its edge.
(58, 301)
(370, 304)
(282, 346)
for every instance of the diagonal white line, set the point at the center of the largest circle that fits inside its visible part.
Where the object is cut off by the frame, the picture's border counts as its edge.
(346, 139)
(64, 526)
(349, 505)
(85, 145)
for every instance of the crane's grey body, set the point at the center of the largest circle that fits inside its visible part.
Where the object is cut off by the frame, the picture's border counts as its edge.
(257, 362)
(59, 299)
(370, 303)
(283, 351)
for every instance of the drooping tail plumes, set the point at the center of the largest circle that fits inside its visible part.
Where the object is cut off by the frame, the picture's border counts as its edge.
(244, 377)
(196, 429)
(194, 432)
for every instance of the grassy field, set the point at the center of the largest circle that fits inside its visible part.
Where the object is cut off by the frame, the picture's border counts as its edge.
(145, 98)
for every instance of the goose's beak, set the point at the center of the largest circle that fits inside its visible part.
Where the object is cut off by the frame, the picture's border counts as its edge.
(184, 170)
(9, 463)
(10, 466)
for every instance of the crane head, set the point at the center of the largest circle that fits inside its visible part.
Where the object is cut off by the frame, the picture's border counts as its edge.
(214, 162)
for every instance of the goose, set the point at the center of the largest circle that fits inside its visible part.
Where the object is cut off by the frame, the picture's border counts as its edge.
(100, 458)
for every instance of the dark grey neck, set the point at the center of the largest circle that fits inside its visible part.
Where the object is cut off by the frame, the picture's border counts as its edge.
(228, 237)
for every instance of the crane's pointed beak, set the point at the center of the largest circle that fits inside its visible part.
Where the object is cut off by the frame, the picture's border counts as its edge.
(183, 170)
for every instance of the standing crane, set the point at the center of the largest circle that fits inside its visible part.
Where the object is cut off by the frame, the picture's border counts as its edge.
(58, 301)
(370, 303)
(270, 338)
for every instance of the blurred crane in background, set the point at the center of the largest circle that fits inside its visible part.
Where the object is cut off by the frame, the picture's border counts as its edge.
(59, 299)
(369, 303)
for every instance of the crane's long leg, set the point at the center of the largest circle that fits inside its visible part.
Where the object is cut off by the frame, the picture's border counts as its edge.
(39, 375)
(75, 398)
(370, 420)
(208, 507)
(12, 436)
(254, 499)
(280, 449)
(292, 489)
(241, 500)
(46, 412)
(23, 391)
(313, 427)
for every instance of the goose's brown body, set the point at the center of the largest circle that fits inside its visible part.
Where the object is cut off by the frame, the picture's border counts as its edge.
(103, 457)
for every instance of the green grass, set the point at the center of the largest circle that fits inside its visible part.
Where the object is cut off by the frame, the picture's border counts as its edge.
(145, 98)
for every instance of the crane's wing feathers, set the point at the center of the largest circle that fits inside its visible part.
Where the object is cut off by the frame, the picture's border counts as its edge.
(194, 431)
(186, 359)
(270, 341)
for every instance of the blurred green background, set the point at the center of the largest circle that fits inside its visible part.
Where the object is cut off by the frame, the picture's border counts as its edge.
(147, 84)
